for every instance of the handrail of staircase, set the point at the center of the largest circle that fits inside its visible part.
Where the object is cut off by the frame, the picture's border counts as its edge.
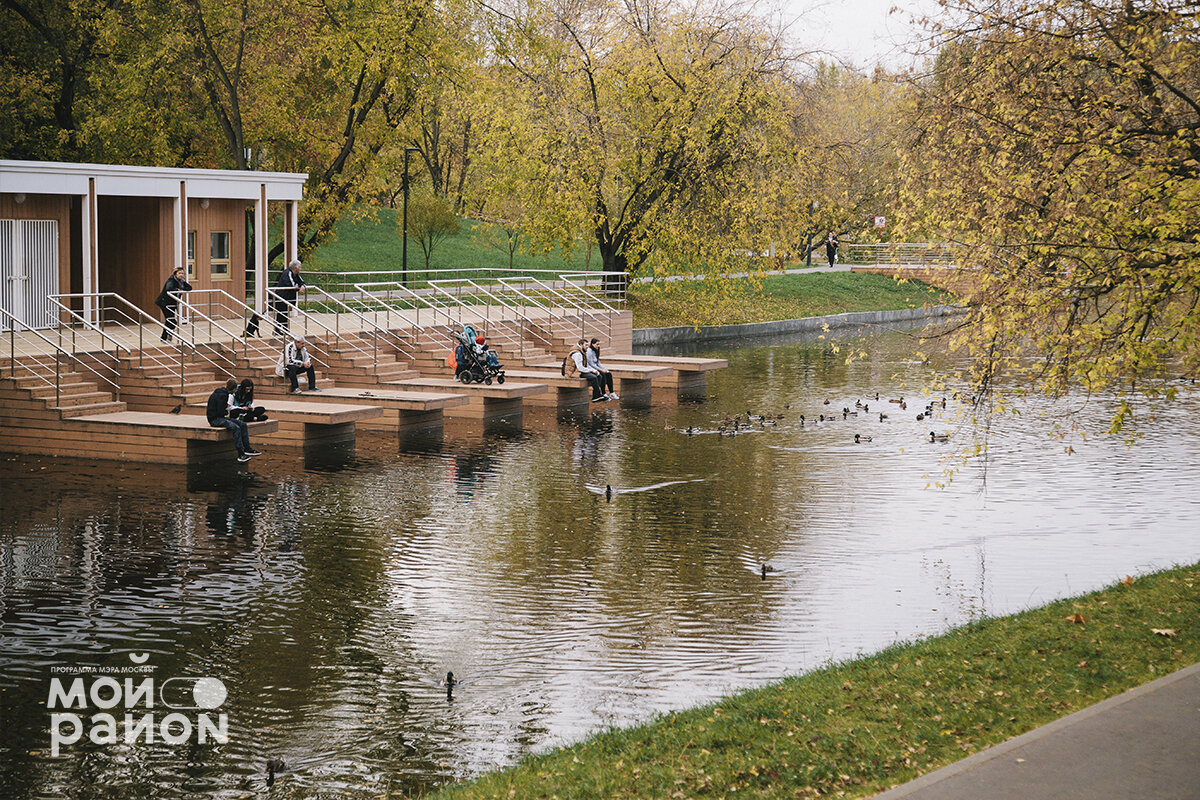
(372, 326)
(273, 298)
(570, 280)
(131, 316)
(231, 303)
(578, 307)
(58, 354)
(531, 326)
(504, 304)
(364, 289)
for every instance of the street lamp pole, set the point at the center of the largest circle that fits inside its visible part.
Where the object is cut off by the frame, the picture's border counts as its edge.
(404, 244)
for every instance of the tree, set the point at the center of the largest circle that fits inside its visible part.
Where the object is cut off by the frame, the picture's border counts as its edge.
(653, 127)
(1061, 143)
(430, 221)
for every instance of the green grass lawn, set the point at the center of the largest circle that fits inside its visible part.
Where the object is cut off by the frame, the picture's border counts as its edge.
(667, 304)
(853, 729)
(372, 243)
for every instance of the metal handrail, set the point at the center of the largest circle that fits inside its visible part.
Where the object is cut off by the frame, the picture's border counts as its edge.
(225, 301)
(376, 330)
(329, 332)
(132, 316)
(583, 311)
(482, 292)
(40, 359)
(530, 328)
(362, 288)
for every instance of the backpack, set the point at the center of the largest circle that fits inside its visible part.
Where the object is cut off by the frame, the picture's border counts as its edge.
(281, 365)
(569, 369)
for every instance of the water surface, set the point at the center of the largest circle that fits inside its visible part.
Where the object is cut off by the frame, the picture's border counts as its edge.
(331, 595)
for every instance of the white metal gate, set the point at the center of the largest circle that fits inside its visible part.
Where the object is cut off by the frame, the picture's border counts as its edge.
(29, 270)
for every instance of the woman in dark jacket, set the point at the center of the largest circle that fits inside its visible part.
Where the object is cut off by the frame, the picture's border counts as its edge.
(169, 304)
(241, 403)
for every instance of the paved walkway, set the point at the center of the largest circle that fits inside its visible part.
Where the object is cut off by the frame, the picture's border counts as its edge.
(1142, 744)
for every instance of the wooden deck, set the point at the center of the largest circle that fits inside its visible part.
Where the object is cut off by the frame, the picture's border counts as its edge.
(128, 436)
(304, 424)
(484, 402)
(400, 410)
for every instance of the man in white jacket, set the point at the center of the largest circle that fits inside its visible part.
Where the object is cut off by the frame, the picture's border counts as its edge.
(295, 361)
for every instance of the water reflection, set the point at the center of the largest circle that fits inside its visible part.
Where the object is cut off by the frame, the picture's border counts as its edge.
(332, 595)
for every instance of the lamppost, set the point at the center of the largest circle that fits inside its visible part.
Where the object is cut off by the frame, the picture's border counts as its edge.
(404, 244)
(813, 205)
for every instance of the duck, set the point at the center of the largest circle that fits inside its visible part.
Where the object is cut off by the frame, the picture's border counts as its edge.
(274, 765)
(858, 404)
(786, 406)
(859, 439)
(920, 417)
(903, 405)
(826, 401)
(895, 400)
(450, 682)
(801, 420)
(882, 416)
(877, 395)
(939, 437)
(608, 493)
(765, 569)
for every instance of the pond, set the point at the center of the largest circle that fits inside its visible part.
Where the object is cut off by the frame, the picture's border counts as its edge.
(329, 597)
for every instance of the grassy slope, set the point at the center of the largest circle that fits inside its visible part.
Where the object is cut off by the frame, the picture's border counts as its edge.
(855, 728)
(781, 297)
(373, 243)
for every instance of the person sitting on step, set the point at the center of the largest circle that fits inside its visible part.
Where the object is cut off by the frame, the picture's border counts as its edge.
(592, 374)
(592, 354)
(295, 361)
(217, 411)
(241, 403)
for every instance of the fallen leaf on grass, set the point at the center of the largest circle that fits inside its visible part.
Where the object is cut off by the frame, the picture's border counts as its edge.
(1077, 618)
(1082, 664)
(1164, 631)
(1127, 580)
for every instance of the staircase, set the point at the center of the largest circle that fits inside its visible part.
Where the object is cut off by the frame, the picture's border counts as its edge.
(29, 395)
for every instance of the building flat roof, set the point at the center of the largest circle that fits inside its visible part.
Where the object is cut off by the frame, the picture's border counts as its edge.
(53, 177)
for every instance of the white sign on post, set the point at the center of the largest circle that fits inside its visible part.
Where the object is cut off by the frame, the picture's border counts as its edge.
(881, 222)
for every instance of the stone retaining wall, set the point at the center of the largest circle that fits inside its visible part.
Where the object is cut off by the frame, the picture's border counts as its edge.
(711, 333)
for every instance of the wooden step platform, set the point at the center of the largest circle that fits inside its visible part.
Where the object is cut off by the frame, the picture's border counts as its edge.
(400, 410)
(134, 435)
(485, 402)
(307, 424)
(688, 373)
(572, 391)
(632, 382)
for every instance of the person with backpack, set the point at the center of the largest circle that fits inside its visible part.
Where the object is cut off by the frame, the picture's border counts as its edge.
(169, 304)
(576, 364)
(606, 378)
(217, 412)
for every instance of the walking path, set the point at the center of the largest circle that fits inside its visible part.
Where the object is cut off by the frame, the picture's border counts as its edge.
(1142, 744)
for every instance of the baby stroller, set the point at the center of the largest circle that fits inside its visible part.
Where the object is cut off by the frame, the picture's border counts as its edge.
(474, 362)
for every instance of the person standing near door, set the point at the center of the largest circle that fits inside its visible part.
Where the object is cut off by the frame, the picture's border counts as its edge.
(170, 304)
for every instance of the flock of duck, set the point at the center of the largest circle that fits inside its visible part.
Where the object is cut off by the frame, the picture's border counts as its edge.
(753, 423)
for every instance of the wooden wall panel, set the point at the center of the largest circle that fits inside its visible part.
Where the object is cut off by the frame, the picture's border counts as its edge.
(221, 215)
(45, 206)
(131, 251)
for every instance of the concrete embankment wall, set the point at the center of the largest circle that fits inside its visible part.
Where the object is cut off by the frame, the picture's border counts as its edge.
(713, 333)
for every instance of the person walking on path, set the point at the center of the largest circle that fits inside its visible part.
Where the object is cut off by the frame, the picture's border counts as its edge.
(606, 379)
(287, 287)
(831, 246)
(295, 361)
(169, 304)
(217, 411)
